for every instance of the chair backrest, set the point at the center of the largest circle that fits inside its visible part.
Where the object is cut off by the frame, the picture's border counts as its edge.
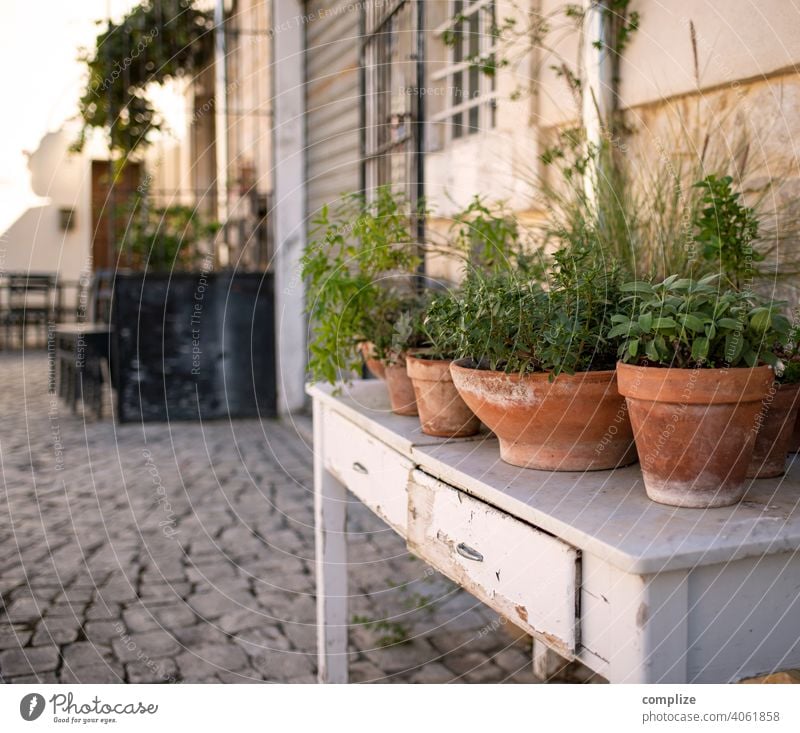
(30, 292)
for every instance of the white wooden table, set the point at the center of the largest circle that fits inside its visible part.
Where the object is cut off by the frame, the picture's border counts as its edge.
(637, 591)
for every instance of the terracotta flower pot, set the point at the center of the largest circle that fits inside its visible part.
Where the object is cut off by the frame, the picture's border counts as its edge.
(574, 423)
(442, 412)
(375, 367)
(777, 420)
(401, 391)
(694, 430)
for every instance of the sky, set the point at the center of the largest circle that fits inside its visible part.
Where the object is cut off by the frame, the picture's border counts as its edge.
(41, 81)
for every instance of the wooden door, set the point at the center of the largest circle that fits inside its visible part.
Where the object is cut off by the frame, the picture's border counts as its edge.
(112, 202)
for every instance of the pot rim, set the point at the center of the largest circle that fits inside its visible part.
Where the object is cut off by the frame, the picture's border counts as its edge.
(600, 374)
(712, 386)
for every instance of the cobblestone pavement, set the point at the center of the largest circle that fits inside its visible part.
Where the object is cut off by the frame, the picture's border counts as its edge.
(184, 553)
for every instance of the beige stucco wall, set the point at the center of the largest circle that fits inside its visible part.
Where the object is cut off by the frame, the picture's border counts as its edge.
(35, 242)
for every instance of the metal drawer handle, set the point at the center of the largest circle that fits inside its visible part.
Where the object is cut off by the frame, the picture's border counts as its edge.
(359, 468)
(467, 552)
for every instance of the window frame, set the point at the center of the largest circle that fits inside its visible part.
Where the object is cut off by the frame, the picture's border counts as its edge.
(485, 98)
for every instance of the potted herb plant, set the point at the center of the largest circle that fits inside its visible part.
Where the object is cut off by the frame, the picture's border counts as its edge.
(540, 371)
(487, 240)
(442, 411)
(778, 414)
(360, 266)
(695, 367)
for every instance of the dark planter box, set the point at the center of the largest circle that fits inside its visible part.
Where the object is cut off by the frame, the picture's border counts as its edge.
(193, 346)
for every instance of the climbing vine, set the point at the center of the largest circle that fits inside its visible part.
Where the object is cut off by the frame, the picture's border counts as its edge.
(155, 42)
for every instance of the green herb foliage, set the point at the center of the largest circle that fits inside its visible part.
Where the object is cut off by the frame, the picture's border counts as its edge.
(156, 41)
(688, 323)
(359, 266)
(164, 238)
(514, 324)
(725, 230)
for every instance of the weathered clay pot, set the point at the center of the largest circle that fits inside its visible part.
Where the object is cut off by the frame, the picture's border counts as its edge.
(574, 423)
(375, 367)
(775, 425)
(442, 412)
(401, 391)
(694, 430)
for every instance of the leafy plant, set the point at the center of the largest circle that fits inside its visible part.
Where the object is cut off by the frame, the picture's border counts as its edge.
(360, 266)
(725, 231)
(156, 41)
(513, 324)
(164, 238)
(688, 323)
(488, 238)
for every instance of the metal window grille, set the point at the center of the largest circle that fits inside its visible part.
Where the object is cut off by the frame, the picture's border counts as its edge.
(470, 93)
(392, 61)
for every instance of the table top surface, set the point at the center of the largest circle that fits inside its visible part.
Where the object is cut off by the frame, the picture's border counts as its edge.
(606, 513)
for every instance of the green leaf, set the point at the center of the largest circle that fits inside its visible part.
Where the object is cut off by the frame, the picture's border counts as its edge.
(700, 349)
(734, 343)
(651, 351)
(646, 322)
(693, 323)
(760, 320)
(622, 329)
(633, 347)
(769, 358)
(639, 286)
(664, 323)
(729, 323)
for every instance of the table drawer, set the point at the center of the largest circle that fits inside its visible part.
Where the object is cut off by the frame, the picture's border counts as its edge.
(525, 574)
(375, 473)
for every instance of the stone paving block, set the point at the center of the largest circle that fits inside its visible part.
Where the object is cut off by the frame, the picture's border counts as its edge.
(45, 678)
(85, 653)
(279, 665)
(109, 673)
(13, 636)
(153, 644)
(104, 632)
(152, 671)
(140, 618)
(407, 657)
(103, 611)
(262, 638)
(24, 610)
(32, 660)
(365, 671)
(56, 630)
(433, 673)
(208, 659)
(178, 615)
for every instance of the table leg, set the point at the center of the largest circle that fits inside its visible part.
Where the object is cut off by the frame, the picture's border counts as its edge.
(330, 512)
(649, 628)
(547, 665)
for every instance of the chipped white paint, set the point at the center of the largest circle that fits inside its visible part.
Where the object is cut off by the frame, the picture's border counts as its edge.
(526, 575)
(330, 502)
(375, 473)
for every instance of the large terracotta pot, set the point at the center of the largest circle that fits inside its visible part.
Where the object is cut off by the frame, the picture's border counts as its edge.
(573, 423)
(375, 367)
(694, 430)
(777, 419)
(401, 391)
(442, 412)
